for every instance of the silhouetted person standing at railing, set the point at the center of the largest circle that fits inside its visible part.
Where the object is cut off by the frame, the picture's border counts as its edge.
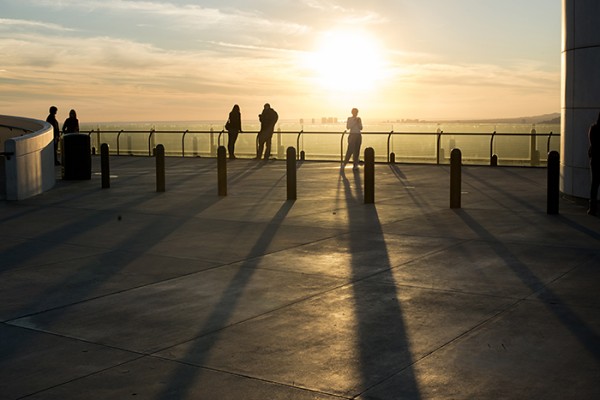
(71, 124)
(233, 127)
(594, 154)
(354, 125)
(51, 119)
(268, 118)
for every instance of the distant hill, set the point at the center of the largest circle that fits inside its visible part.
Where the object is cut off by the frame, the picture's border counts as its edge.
(553, 118)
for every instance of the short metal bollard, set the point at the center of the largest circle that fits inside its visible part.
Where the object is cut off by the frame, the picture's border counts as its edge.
(369, 175)
(159, 153)
(291, 173)
(104, 166)
(553, 189)
(302, 155)
(455, 178)
(392, 158)
(222, 170)
(494, 160)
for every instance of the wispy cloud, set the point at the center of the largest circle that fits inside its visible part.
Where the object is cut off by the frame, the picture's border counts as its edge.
(187, 16)
(182, 55)
(6, 23)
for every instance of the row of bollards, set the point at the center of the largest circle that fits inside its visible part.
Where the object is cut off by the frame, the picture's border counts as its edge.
(553, 179)
(159, 155)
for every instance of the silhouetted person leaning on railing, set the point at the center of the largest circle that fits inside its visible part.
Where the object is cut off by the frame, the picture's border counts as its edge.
(594, 154)
(71, 124)
(51, 119)
(268, 118)
(233, 127)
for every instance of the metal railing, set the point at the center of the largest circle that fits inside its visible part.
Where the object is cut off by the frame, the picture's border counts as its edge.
(420, 147)
(15, 128)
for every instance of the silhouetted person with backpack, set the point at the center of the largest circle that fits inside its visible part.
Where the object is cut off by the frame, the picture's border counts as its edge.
(594, 154)
(233, 127)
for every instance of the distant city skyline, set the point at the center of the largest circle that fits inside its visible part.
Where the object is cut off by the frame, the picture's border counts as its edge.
(127, 60)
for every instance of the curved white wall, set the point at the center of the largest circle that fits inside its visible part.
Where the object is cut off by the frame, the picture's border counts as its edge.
(580, 91)
(30, 169)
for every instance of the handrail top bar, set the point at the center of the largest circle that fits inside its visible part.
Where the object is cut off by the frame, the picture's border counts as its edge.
(295, 132)
(11, 127)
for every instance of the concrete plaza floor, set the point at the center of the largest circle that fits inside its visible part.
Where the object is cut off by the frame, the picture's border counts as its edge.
(128, 293)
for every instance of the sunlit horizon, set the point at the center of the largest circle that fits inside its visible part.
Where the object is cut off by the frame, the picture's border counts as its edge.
(124, 60)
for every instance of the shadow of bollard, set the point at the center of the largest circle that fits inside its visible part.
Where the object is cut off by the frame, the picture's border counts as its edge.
(104, 166)
(159, 153)
(369, 175)
(455, 178)
(291, 173)
(553, 189)
(222, 170)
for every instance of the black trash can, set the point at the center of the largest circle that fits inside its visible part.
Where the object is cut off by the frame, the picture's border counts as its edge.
(76, 157)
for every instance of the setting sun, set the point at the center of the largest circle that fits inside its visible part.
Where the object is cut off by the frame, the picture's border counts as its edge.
(348, 60)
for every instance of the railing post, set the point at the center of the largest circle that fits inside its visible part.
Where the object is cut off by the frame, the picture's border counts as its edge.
(369, 175)
(150, 142)
(219, 138)
(159, 153)
(104, 166)
(438, 147)
(301, 152)
(222, 170)
(212, 142)
(455, 177)
(291, 173)
(279, 144)
(342, 147)
(534, 154)
(183, 143)
(493, 157)
(389, 153)
(553, 189)
(118, 142)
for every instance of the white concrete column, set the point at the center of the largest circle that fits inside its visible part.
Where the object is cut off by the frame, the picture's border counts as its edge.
(580, 91)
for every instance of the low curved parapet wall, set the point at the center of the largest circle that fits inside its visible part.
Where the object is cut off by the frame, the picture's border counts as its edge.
(28, 161)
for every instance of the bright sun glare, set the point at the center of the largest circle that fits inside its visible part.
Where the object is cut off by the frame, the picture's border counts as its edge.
(348, 61)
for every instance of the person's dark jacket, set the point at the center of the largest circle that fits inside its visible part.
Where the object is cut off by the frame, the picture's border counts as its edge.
(268, 119)
(71, 125)
(51, 119)
(234, 124)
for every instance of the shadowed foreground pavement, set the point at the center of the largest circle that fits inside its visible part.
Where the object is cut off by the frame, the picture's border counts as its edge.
(128, 293)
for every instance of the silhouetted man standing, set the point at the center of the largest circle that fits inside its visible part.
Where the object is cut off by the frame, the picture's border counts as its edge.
(51, 119)
(594, 153)
(268, 118)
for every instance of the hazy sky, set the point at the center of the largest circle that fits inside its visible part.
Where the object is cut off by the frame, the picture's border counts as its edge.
(155, 60)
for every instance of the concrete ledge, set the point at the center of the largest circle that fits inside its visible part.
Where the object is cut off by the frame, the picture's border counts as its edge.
(29, 163)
